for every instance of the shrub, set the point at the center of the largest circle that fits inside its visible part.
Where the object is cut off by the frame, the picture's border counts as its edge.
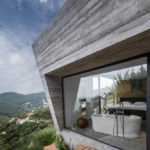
(36, 147)
(61, 144)
(45, 137)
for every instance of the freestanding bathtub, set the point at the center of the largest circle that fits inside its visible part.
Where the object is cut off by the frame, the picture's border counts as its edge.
(106, 124)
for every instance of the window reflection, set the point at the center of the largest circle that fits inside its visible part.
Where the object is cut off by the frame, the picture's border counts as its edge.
(109, 103)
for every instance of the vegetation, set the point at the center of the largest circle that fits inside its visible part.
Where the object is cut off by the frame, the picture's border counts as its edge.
(13, 104)
(42, 113)
(95, 101)
(43, 138)
(61, 145)
(135, 77)
(31, 135)
(37, 140)
(16, 133)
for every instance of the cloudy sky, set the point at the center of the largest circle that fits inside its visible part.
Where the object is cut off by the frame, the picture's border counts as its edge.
(21, 21)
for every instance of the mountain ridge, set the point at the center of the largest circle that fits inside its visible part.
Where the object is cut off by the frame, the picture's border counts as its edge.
(13, 104)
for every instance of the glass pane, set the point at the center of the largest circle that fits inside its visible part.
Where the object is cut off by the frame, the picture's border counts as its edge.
(109, 104)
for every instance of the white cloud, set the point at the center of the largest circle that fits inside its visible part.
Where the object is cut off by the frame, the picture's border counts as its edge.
(43, 1)
(15, 58)
(17, 66)
(18, 70)
(19, 4)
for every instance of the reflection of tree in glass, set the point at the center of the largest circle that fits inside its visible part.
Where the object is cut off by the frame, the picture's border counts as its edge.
(137, 78)
(95, 104)
(95, 101)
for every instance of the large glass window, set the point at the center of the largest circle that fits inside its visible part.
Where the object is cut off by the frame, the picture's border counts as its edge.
(109, 104)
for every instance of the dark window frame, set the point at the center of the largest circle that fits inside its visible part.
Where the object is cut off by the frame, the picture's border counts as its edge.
(148, 97)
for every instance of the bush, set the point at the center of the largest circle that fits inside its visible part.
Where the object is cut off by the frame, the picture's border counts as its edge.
(35, 147)
(61, 144)
(49, 136)
(28, 137)
(45, 137)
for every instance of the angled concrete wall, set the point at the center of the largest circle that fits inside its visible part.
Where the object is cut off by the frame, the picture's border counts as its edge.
(87, 34)
(84, 27)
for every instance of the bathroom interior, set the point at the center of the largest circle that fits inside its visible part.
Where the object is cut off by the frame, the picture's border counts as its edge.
(108, 104)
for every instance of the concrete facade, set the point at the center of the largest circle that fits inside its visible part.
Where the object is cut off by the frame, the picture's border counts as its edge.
(84, 35)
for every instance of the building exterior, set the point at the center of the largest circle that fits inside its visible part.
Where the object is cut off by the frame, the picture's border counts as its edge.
(12, 119)
(92, 42)
(22, 121)
(29, 114)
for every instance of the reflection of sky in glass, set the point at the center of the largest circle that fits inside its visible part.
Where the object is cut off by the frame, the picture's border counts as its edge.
(107, 79)
(104, 82)
(100, 84)
(95, 83)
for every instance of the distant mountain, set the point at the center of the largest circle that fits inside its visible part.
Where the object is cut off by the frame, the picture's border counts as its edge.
(13, 104)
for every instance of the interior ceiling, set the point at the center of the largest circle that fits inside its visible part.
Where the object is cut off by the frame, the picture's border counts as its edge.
(132, 47)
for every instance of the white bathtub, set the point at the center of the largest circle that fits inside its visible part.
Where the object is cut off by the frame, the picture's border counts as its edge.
(105, 124)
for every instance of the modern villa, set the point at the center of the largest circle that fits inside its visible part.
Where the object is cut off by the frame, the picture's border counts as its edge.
(94, 62)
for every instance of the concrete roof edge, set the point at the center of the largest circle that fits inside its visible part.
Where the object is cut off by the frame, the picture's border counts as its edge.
(53, 22)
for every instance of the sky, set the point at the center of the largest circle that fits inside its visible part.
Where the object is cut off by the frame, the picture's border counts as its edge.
(21, 21)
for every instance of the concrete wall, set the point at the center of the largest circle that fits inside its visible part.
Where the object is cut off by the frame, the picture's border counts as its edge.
(84, 27)
(87, 34)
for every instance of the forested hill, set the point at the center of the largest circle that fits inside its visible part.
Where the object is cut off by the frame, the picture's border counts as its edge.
(13, 104)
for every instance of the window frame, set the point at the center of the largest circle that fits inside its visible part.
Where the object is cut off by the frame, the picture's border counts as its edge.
(147, 55)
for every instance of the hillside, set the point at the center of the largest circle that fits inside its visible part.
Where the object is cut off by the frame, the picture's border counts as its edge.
(13, 134)
(13, 104)
(33, 134)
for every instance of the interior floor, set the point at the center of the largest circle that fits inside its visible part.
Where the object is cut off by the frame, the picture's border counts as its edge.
(122, 143)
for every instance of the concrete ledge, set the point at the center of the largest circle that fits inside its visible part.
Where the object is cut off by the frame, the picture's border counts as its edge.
(75, 139)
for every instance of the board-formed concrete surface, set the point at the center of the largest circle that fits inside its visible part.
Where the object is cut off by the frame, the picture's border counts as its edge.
(86, 34)
(84, 27)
